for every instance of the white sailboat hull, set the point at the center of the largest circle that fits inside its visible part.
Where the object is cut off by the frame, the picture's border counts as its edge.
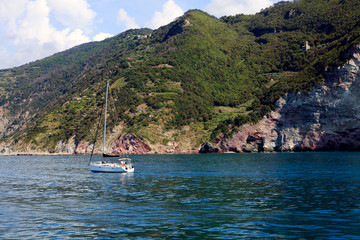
(110, 167)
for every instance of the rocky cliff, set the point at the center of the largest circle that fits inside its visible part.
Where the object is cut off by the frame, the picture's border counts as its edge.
(129, 144)
(326, 118)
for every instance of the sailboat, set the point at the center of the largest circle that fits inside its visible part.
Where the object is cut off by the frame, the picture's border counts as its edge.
(122, 164)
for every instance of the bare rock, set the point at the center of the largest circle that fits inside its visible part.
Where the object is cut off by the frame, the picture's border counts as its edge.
(208, 148)
(83, 148)
(130, 144)
(325, 118)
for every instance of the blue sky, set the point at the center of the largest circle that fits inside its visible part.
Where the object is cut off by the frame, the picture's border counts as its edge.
(34, 29)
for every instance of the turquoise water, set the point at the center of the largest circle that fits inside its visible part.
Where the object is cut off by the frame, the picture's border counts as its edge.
(219, 196)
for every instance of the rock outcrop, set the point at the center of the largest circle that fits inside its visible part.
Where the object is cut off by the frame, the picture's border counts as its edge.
(208, 148)
(326, 118)
(65, 148)
(130, 144)
(83, 147)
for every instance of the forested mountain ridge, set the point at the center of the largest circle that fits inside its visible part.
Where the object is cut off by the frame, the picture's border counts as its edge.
(178, 86)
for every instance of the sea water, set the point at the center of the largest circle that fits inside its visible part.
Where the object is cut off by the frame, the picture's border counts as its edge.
(215, 196)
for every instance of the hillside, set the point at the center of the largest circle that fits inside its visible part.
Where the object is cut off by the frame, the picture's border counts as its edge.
(178, 86)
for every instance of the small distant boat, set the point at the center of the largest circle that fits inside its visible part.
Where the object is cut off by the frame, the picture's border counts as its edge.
(122, 165)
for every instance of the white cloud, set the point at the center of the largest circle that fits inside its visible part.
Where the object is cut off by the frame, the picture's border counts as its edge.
(73, 14)
(169, 13)
(35, 23)
(232, 7)
(26, 33)
(101, 36)
(124, 18)
(10, 11)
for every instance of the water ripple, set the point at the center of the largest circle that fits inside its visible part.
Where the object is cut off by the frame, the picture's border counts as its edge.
(252, 196)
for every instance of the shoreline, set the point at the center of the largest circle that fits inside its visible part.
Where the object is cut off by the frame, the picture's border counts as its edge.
(165, 153)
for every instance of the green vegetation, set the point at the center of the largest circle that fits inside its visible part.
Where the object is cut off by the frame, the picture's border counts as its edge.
(212, 74)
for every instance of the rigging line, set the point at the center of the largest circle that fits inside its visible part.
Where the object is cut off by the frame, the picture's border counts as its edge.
(97, 130)
(106, 101)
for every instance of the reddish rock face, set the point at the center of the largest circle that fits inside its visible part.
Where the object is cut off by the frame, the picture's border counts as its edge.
(83, 148)
(261, 137)
(130, 144)
(326, 118)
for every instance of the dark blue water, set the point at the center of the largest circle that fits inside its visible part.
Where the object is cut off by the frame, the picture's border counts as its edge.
(228, 196)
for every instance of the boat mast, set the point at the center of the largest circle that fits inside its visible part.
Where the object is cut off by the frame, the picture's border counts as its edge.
(106, 97)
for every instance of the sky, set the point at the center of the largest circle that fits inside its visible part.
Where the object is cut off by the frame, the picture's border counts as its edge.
(34, 29)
